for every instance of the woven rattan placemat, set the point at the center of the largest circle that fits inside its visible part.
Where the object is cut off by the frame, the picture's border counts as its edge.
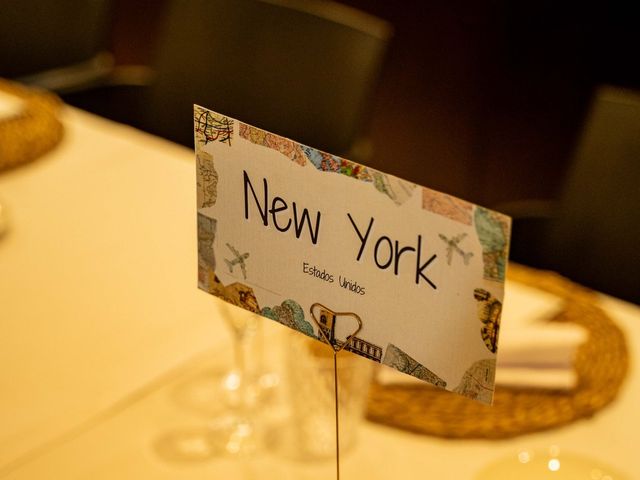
(601, 365)
(32, 132)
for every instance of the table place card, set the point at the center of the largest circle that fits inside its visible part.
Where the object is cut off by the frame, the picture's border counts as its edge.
(283, 226)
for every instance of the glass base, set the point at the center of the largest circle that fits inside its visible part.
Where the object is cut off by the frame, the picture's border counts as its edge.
(228, 437)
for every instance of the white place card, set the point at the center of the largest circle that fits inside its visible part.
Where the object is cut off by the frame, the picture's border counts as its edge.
(283, 226)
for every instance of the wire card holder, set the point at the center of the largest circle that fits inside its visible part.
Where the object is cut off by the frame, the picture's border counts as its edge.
(326, 326)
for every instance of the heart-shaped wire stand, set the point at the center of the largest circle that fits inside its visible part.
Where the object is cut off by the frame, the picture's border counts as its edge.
(335, 345)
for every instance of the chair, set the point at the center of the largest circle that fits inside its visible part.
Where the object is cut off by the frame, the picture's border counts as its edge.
(591, 234)
(60, 45)
(303, 69)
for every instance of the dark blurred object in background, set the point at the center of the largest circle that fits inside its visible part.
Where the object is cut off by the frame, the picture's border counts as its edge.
(486, 99)
(591, 234)
(61, 45)
(304, 69)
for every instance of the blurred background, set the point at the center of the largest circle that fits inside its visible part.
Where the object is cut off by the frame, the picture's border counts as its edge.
(473, 94)
(502, 103)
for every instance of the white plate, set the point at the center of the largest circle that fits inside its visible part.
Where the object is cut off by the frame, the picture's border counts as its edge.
(549, 464)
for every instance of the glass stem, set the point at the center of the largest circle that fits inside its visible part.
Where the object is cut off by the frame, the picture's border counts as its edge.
(247, 364)
(241, 373)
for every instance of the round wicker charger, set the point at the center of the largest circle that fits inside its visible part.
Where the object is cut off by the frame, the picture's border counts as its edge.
(601, 366)
(32, 132)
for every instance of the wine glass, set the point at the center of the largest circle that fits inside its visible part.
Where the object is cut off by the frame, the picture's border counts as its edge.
(228, 398)
(235, 432)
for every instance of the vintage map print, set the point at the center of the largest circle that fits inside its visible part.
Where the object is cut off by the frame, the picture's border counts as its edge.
(283, 226)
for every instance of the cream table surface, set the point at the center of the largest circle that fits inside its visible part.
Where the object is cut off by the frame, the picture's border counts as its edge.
(101, 319)
(97, 278)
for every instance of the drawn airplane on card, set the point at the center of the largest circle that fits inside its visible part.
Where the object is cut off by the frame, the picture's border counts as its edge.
(452, 245)
(238, 260)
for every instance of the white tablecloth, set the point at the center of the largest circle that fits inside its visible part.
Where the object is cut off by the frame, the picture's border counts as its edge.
(98, 302)
(97, 278)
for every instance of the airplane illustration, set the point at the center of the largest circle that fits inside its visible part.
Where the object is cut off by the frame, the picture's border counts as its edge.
(238, 260)
(452, 245)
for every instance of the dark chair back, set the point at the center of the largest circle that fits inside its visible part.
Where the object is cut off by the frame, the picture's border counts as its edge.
(303, 69)
(594, 237)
